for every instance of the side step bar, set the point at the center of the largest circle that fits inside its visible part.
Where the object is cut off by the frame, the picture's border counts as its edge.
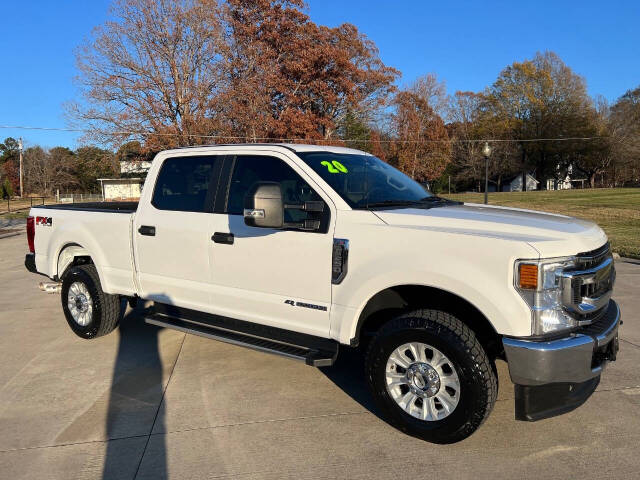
(314, 351)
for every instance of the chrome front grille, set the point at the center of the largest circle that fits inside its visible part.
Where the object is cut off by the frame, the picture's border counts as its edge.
(594, 257)
(587, 287)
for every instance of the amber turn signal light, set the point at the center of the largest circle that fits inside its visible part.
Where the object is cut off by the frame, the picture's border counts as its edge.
(528, 276)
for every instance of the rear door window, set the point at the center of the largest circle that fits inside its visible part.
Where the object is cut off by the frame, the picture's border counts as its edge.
(187, 184)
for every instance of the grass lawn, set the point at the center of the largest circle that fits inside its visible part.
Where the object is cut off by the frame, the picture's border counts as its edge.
(14, 215)
(22, 204)
(616, 210)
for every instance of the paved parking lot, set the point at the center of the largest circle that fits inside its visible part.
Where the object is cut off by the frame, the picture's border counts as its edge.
(151, 403)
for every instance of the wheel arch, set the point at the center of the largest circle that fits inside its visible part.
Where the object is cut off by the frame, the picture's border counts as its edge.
(73, 254)
(401, 298)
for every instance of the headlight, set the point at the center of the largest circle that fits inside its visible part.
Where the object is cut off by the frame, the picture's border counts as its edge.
(538, 282)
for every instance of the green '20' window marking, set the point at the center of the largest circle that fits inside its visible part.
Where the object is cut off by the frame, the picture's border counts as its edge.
(334, 166)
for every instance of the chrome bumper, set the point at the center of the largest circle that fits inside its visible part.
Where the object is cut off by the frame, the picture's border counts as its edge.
(575, 359)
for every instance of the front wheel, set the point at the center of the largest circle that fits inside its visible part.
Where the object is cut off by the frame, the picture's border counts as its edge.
(430, 376)
(89, 311)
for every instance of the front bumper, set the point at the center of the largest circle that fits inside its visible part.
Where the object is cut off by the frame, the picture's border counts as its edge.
(553, 377)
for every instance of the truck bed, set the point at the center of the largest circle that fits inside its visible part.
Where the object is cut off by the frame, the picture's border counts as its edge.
(102, 229)
(113, 207)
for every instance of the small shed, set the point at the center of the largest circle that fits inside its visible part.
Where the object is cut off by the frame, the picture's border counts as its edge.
(121, 189)
(514, 184)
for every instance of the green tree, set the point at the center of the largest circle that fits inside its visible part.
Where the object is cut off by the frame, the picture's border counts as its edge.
(8, 149)
(133, 151)
(9, 160)
(91, 163)
(7, 189)
(355, 130)
(60, 165)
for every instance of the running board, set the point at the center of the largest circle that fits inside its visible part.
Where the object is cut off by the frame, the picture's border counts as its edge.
(314, 351)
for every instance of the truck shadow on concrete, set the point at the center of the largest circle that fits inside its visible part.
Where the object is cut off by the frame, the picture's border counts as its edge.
(348, 374)
(134, 401)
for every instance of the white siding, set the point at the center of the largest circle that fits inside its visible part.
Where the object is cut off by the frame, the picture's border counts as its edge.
(121, 189)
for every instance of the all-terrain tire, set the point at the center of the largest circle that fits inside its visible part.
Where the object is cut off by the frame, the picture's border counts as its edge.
(475, 371)
(105, 309)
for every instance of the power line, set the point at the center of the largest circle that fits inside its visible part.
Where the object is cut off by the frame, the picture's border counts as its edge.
(295, 140)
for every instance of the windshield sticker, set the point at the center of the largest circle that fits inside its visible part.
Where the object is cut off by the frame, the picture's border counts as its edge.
(334, 167)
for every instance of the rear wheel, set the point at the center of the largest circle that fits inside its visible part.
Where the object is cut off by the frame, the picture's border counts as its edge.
(430, 376)
(89, 311)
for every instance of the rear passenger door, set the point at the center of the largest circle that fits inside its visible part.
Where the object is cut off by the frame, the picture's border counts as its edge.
(275, 277)
(172, 232)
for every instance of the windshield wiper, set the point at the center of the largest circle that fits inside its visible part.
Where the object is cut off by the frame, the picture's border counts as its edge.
(435, 199)
(393, 203)
(426, 202)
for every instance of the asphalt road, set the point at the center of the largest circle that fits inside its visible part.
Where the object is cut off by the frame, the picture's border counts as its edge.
(145, 402)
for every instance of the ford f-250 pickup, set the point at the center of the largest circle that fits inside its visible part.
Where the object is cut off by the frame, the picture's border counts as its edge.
(297, 250)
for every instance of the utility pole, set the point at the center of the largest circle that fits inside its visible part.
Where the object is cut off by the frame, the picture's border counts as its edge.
(20, 148)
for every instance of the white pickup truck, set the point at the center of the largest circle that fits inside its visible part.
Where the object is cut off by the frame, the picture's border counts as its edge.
(297, 250)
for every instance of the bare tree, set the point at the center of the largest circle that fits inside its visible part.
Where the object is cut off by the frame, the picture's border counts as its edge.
(153, 68)
(433, 92)
(250, 69)
(45, 171)
(624, 125)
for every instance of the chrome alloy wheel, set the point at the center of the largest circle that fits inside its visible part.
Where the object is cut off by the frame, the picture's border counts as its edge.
(80, 303)
(422, 381)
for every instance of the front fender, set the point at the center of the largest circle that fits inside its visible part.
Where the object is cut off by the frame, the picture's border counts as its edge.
(508, 316)
(485, 281)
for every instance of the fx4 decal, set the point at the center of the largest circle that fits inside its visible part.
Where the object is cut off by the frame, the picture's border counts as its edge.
(45, 221)
(306, 305)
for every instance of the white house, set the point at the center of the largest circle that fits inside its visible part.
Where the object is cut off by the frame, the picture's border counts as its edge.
(121, 189)
(129, 166)
(558, 182)
(562, 184)
(127, 188)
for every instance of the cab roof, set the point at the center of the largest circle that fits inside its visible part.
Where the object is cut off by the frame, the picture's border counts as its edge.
(295, 147)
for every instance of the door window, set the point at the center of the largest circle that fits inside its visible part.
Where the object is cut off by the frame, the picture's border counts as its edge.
(250, 169)
(187, 184)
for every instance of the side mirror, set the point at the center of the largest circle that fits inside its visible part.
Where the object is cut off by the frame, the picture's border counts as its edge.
(263, 206)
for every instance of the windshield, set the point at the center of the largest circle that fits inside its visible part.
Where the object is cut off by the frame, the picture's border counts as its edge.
(364, 181)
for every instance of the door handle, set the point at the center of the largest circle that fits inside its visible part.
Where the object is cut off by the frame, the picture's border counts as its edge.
(221, 237)
(147, 230)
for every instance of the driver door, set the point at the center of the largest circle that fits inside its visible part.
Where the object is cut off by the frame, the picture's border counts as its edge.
(280, 278)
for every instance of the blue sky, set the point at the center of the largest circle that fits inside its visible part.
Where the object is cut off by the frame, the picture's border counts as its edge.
(466, 44)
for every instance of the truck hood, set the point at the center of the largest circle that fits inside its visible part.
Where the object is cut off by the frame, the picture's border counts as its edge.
(550, 234)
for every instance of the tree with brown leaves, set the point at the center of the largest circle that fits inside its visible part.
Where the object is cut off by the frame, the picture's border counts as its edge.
(422, 149)
(249, 69)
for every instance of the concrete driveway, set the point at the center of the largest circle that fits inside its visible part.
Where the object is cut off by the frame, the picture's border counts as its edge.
(145, 402)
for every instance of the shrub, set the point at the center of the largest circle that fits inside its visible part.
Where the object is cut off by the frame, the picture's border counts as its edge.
(7, 189)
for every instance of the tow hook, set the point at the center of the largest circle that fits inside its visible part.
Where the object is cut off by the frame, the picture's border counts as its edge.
(50, 287)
